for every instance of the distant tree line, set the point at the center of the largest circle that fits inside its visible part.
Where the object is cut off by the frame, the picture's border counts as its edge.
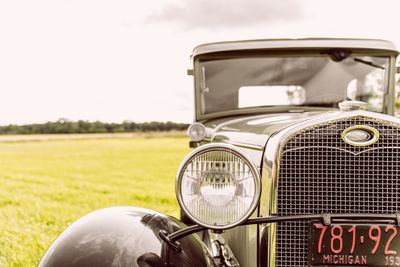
(81, 126)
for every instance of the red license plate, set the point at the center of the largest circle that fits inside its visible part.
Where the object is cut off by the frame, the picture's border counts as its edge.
(353, 244)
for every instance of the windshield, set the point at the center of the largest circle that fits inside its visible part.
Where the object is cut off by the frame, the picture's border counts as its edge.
(233, 84)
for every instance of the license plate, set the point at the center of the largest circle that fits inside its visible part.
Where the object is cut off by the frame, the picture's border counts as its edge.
(353, 244)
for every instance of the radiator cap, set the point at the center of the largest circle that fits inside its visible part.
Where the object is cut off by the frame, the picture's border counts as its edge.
(349, 105)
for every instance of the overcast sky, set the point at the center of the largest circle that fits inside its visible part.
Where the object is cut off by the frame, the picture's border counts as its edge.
(127, 60)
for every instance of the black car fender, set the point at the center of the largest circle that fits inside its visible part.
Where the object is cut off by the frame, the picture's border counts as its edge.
(124, 236)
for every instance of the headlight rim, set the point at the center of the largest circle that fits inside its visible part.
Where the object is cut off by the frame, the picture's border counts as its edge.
(226, 148)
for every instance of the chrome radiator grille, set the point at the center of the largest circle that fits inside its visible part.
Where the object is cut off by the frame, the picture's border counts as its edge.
(318, 173)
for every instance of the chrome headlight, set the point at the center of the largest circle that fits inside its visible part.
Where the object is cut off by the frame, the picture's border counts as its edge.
(217, 186)
(197, 131)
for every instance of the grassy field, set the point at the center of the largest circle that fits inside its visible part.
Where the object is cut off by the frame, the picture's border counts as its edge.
(46, 185)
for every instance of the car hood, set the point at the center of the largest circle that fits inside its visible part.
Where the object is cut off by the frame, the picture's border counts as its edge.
(252, 132)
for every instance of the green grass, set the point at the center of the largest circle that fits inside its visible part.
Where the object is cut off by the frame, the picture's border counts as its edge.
(45, 186)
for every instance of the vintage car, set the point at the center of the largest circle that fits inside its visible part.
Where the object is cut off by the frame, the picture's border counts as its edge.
(296, 162)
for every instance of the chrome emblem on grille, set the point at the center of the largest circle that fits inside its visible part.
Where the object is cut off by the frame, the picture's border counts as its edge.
(360, 135)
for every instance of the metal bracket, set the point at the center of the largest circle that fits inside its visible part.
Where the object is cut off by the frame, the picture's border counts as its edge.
(398, 218)
(222, 252)
(173, 244)
(327, 218)
(194, 144)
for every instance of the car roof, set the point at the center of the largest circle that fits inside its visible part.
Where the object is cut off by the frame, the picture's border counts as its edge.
(295, 44)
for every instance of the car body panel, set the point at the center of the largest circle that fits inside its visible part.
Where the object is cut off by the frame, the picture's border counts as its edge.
(252, 132)
(123, 236)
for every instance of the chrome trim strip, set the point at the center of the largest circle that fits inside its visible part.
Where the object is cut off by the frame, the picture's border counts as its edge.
(391, 85)
(300, 44)
(340, 149)
(259, 110)
(243, 145)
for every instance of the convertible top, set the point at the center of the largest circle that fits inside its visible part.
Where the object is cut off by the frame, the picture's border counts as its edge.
(296, 44)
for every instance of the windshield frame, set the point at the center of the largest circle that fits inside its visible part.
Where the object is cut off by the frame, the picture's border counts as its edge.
(389, 79)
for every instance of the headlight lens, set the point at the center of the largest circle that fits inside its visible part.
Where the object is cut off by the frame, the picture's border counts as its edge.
(217, 186)
(197, 131)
